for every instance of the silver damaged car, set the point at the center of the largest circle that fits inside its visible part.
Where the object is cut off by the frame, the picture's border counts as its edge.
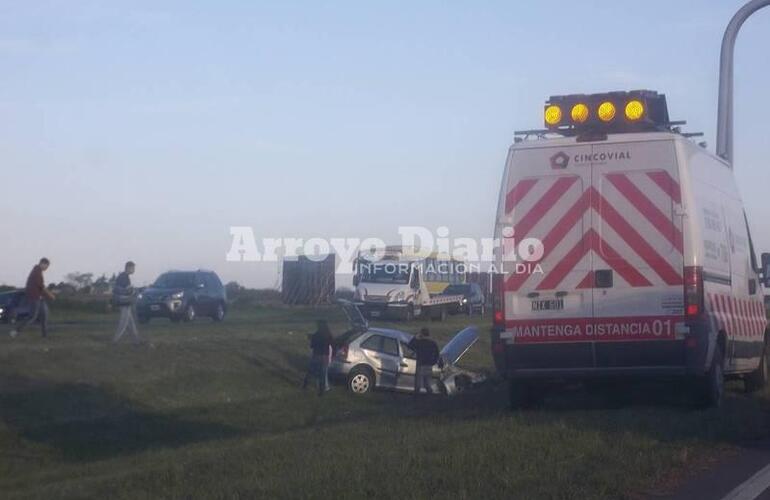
(366, 358)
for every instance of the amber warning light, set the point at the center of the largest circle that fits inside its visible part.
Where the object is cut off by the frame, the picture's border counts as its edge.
(634, 111)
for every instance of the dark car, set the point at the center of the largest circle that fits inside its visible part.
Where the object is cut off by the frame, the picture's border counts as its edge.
(183, 296)
(13, 306)
(473, 298)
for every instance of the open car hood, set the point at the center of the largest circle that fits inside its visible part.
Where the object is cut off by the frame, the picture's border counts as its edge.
(459, 345)
(356, 319)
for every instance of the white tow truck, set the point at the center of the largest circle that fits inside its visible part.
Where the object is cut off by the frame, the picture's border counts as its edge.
(404, 285)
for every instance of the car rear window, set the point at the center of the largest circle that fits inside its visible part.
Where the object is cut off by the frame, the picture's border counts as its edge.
(378, 343)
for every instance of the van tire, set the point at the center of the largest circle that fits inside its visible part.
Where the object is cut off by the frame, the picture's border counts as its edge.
(757, 380)
(712, 385)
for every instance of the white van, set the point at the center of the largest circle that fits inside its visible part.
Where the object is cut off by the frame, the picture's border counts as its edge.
(647, 266)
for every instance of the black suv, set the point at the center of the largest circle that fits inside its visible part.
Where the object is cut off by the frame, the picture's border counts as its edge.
(183, 295)
(473, 297)
(14, 306)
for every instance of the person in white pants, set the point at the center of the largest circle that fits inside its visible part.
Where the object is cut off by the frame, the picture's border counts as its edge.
(123, 297)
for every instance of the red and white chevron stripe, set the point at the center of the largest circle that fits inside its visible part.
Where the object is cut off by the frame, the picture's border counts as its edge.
(742, 318)
(624, 223)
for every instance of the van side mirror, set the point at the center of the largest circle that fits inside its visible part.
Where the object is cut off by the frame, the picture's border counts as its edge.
(766, 269)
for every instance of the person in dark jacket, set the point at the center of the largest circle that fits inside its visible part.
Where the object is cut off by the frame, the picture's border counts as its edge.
(321, 347)
(123, 298)
(36, 295)
(427, 357)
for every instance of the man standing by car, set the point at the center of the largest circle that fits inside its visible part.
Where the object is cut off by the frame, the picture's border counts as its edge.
(321, 346)
(36, 294)
(427, 357)
(123, 298)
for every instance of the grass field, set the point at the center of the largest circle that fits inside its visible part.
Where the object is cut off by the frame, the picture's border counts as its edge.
(215, 411)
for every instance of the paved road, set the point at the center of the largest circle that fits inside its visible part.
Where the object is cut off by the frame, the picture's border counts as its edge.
(746, 476)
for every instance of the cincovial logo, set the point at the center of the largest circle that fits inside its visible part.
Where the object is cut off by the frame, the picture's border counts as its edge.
(559, 160)
(601, 157)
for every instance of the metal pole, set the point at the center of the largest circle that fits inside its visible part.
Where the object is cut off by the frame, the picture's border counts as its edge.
(725, 110)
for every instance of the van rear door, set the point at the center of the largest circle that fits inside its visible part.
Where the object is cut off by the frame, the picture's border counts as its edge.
(637, 275)
(610, 220)
(546, 197)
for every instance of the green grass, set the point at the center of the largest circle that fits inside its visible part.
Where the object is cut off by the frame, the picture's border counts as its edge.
(214, 411)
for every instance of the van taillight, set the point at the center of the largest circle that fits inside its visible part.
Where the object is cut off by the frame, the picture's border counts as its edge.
(498, 299)
(693, 291)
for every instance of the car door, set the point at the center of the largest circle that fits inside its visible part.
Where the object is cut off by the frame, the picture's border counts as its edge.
(203, 294)
(407, 368)
(383, 356)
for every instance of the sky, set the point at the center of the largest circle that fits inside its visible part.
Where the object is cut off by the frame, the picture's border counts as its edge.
(145, 130)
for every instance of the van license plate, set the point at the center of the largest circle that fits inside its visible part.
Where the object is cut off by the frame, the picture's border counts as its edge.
(548, 305)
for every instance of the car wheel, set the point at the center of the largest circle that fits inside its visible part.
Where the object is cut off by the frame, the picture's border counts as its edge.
(189, 313)
(361, 380)
(219, 313)
(757, 379)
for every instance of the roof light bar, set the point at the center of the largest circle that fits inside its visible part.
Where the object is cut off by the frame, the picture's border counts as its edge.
(634, 111)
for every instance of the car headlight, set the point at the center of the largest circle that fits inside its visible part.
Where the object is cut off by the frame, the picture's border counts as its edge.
(177, 295)
(2, 310)
(399, 296)
(465, 301)
(140, 296)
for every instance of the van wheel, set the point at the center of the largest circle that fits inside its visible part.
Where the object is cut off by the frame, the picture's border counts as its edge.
(361, 380)
(757, 379)
(712, 385)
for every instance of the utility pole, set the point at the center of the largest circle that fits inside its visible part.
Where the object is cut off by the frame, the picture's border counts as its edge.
(725, 110)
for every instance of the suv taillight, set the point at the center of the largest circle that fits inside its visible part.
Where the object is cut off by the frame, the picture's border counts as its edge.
(693, 291)
(498, 300)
